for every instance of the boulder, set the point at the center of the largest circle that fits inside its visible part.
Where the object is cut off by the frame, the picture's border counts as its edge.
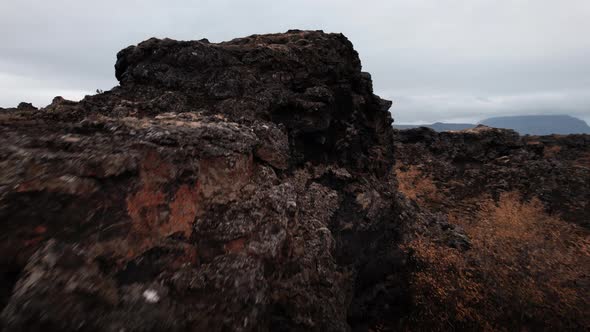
(243, 186)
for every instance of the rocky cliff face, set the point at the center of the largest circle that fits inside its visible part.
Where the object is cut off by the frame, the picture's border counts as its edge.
(239, 186)
(247, 186)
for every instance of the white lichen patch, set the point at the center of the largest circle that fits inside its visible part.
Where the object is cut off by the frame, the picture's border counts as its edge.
(151, 296)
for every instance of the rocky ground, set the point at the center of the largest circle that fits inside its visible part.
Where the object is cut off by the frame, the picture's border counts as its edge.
(468, 164)
(247, 185)
(518, 209)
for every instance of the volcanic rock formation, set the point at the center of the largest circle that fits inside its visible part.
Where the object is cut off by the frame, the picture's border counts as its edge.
(470, 163)
(249, 185)
(244, 185)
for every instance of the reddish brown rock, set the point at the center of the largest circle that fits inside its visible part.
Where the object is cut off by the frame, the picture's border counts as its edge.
(240, 186)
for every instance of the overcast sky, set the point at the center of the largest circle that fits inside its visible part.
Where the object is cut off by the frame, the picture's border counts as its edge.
(438, 60)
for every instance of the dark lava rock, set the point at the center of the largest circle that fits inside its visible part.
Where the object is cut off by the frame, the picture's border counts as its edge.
(242, 186)
(474, 162)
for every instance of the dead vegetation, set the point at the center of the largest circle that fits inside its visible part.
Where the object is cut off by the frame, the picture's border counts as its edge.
(551, 151)
(584, 160)
(526, 270)
(417, 186)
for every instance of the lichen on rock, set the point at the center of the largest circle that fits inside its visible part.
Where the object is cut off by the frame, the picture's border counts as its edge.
(243, 185)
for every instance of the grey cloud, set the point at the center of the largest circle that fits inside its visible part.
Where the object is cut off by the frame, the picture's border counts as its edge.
(437, 59)
(452, 107)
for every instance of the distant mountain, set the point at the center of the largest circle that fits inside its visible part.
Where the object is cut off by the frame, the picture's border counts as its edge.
(438, 126)
(540, 124)
(523, 124)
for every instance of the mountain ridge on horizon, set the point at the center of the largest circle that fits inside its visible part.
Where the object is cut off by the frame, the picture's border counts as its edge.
(523, 124)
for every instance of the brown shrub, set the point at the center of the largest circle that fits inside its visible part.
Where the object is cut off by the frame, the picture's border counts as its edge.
(526, 270)
(417, 186)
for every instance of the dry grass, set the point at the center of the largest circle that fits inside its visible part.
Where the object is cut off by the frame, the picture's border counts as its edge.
(551, 151)
(584, 160)
(526, 270)
(417, 186)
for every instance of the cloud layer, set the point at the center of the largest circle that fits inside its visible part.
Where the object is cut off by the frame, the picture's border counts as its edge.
(439, 60)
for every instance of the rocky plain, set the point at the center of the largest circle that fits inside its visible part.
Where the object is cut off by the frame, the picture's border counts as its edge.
(258, 185)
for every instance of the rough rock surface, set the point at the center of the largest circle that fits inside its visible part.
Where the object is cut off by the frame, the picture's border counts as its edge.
(488, 161)
(237, 186)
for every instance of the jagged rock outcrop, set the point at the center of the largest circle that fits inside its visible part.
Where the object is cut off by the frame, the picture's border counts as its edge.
(240, 186)
(471, 163)
(21, 107)
(249, 186)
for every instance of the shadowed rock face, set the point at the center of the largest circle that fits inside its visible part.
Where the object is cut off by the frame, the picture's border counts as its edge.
(239, 186)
